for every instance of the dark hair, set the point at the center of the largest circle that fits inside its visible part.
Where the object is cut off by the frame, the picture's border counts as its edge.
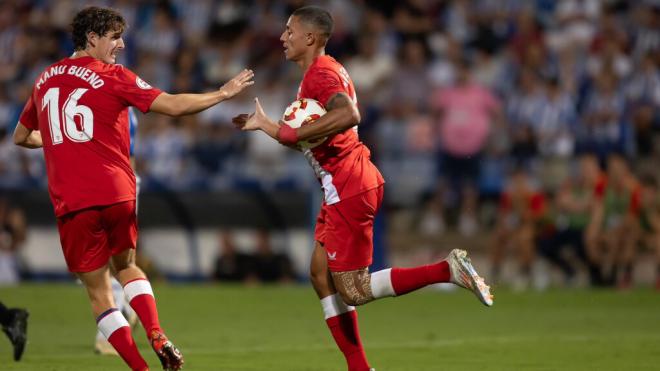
(97, 20)
(317, 17)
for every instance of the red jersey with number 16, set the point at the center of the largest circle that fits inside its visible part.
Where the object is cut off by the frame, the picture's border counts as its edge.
(80, 106)
(342, 163)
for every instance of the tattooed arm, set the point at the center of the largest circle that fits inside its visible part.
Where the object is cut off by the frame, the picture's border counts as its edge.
(342, 114)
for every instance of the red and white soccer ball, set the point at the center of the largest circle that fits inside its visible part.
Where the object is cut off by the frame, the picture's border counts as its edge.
(302, 112)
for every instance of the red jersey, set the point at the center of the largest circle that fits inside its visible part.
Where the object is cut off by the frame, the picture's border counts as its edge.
(80, 106)
(342, 163)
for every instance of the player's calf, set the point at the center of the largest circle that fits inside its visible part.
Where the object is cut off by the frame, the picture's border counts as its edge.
(342, 322)
(116, 330)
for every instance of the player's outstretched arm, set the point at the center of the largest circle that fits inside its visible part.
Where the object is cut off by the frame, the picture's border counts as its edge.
(185, 104)
(27, 138)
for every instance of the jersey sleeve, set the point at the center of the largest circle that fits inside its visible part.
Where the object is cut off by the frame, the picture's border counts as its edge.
(28, 117)
(135, 91)
(325, 83)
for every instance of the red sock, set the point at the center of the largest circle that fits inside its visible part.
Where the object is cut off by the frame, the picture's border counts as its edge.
(115, 328)
(405, 280)
(124, 344)
(141, 298)
(344, 329)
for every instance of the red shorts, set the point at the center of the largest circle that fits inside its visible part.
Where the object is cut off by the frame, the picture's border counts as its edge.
(346, 230)
(90, 236)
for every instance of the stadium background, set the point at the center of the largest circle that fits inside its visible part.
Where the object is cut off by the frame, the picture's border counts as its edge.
(568, 76)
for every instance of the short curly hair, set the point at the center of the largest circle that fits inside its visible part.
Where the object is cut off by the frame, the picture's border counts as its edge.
(97, 20)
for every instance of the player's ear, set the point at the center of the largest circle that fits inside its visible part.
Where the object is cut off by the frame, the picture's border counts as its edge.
(92, 38)
(310, 38)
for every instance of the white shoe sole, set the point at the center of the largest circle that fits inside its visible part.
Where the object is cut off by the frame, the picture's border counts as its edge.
(463, 274)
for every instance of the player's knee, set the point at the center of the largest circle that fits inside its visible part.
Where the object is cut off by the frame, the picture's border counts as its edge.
(348, 299)
(123, 266)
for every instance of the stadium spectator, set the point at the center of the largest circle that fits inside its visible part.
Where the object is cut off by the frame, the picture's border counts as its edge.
(554, 133)
(519, 220)
(609, 59)
(603, 130)
(271, 266)
(232, 265)
(644, 19)
(612, 232)
(14, 325)
(80, 158)
(527, 41)
(573, 203)
(410, 85)
(464, 114)
(522, 108)
(643, 104)
(161, 155)
(372, 70)
(353, 192)
(12, 236)
(649, 220)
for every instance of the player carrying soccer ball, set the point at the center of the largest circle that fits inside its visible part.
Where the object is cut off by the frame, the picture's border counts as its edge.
(353, 189)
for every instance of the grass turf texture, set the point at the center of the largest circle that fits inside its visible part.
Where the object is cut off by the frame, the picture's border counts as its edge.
(282, 328)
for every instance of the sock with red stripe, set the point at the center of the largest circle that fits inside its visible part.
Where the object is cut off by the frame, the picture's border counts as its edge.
(400, 281)
(343, 324)
(115, 328)
(141, 298)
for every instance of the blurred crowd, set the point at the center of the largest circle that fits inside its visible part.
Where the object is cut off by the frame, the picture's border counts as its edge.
(259, 263)
(548, 110)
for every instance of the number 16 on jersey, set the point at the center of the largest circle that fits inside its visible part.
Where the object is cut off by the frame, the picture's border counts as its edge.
(68, 113)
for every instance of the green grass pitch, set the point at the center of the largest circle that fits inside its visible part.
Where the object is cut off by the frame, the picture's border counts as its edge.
(282, 328)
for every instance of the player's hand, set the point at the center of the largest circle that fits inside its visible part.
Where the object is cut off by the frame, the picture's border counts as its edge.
(256, 120)
(238, 83)
(240, 120)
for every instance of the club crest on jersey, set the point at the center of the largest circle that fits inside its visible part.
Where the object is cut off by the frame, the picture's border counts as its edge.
(332, 255)
(141, 83)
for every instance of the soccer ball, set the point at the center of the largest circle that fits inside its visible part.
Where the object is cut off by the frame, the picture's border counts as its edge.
(302, 112)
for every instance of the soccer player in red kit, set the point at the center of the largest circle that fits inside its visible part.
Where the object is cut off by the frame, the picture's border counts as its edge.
(353, 189)
(78, 113)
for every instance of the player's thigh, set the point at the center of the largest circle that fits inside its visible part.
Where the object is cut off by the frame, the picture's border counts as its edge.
(84, 240)
(354, 286)
(120, 221)
(319, 273)
(122, 260)
(349, 231)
